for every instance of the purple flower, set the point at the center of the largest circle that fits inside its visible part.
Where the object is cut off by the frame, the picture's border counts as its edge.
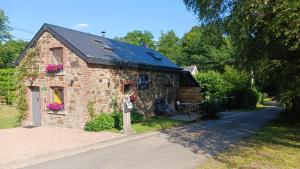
(54, 68)
(55, 106)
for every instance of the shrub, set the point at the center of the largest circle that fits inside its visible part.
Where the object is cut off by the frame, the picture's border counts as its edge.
(136, 117)
(212, 108)
(7, 85)
(99, 123)
(91, 108)
(246, 98)
(118, 120)
(211, 83)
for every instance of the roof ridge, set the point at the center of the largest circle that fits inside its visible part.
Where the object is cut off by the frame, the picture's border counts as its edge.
(48, 24)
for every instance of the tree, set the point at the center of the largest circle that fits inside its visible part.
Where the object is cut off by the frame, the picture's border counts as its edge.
(267, 37)
(207, 47)
(4, 28)
(140, 38)
(169, 44)
(9, 52)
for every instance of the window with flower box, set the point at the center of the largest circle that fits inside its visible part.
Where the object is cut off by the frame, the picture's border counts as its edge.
(57, 99)
(56, 64)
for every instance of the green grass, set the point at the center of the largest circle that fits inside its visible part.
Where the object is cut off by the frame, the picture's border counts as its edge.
(275, 146)
(152, 124)
(8, 117)
(155, 123)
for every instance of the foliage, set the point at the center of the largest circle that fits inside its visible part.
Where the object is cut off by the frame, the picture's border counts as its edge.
(231, 89)
(7, 85)
(136, 117)
(100, 122)
(9, 52)
(4, 28)
(91, 108)
(139, 38)
(26, 70)
(212, 108)
(169, 44)
(207, 47)
(9, 117)
(276, 145)
(266, 36)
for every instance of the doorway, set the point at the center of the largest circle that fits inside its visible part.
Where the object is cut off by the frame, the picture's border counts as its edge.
(36, 109)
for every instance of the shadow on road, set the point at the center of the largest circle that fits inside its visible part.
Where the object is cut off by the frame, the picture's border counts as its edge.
(212, 137)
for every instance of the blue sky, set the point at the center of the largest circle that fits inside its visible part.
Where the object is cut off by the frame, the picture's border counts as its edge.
(116, 17)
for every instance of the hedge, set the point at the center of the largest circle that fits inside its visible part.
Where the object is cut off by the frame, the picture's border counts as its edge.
(7, 85)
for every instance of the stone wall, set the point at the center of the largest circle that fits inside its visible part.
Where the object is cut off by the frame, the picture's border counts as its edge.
(107, 88)
(99, 83)
(73, 79)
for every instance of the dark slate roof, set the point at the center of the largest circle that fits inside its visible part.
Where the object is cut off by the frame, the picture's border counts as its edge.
(99, 50)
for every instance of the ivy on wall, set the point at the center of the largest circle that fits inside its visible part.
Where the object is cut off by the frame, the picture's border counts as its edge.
(27, 70)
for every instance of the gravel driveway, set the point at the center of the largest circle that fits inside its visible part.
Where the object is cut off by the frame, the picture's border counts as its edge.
(21, 143)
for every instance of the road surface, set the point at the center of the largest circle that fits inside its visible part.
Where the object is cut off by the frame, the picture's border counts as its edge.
(178, 148)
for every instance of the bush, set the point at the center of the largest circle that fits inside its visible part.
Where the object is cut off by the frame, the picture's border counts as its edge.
(7, 85)
(212, 108)
(136, 117)
(118, 120)
(211, 82)
(99, 123)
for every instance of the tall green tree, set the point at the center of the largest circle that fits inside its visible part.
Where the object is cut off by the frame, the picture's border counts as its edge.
(140, 38)
(169, 44)
(9, 52)
(4, 28)
(266, 34)
(207, 47)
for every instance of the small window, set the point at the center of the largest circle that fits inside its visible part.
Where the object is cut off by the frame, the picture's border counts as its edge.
(105, 46)
(143, 82)
(58, 95)
(57, 56)
(154, 55)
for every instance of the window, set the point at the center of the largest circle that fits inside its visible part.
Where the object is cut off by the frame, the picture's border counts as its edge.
(143, 82)
(105, 46)
(58, 95)
(154, 55)
(57, 55)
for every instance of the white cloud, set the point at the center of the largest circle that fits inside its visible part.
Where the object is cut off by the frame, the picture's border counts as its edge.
(81, 26)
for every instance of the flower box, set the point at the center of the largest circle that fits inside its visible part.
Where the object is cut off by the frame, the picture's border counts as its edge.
(55, 106)
(51, 68)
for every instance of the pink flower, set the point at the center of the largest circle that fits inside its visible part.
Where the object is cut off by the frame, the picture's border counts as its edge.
(51, 68)
(55, 106)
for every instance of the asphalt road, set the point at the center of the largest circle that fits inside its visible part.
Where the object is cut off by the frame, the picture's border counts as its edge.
(178, 148)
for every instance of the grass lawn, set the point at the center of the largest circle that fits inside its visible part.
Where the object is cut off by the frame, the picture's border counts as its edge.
(152, 124)
(8, 117)
(155, 123)
(277, 145)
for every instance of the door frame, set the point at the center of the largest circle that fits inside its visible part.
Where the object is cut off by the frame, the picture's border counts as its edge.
(36, 106)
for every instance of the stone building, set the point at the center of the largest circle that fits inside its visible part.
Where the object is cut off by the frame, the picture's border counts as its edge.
(76, 68)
